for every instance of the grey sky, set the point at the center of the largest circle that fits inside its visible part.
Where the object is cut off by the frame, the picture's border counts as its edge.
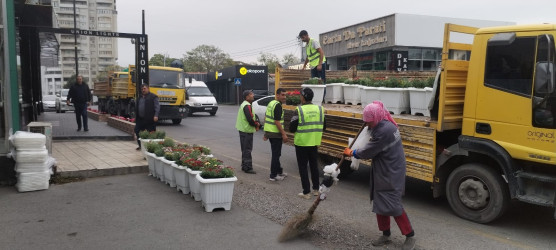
(244, 28)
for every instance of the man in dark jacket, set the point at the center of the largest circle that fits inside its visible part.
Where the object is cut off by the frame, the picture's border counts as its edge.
(80, 95)
(387, 172)
(147, 115)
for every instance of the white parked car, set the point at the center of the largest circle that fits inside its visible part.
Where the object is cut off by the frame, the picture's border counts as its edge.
(259, 107)
(49, 102)
(61, 105)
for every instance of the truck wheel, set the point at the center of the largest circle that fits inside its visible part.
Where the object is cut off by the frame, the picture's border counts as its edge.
(477, 193)
(131, 109)
(176, 121)
(112, 107)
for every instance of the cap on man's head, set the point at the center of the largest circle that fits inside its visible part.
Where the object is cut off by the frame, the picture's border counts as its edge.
(302, 33)
(246, 93)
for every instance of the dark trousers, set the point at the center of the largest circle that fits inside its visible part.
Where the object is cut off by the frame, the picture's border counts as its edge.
(142, 124)
(402, 221)
(276, 148)
(308, 155)
(81, 112)
(246, 140)
(322, 75)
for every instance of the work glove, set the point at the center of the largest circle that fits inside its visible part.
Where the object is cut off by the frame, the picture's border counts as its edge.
(348, 152)
(331, 172)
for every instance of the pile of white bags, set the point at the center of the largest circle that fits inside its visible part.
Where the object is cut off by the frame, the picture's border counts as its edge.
(362, 140)
(33, 164)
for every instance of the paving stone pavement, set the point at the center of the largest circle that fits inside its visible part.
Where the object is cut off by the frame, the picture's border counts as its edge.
(101, 151)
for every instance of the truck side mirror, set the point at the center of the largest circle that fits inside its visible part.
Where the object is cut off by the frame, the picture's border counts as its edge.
(544, 78)
(190, 79)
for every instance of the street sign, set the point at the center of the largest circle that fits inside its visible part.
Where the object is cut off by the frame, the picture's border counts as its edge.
(237, 81)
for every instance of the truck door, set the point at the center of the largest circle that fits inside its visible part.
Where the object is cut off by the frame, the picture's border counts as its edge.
(505, 101)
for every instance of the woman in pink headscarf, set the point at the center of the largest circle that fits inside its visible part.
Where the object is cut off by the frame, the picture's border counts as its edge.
(387, 172)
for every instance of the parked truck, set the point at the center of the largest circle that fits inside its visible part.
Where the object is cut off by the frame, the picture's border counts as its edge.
(117, 94)
(491, 135)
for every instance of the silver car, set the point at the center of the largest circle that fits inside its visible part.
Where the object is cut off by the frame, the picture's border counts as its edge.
(61, 105)
(49, 102)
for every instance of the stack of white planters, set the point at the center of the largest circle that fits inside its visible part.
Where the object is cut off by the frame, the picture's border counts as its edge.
(33, 164)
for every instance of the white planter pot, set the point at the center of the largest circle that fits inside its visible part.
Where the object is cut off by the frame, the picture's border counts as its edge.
(144, 144)
(194, 184)
(169, 177)
(352, 94)
(396, 100)
(216, 193)
(182, 178)
(419, 101)
(369, 95)
(150, 161)
(318, 92)
(158, 168)
(334, 93)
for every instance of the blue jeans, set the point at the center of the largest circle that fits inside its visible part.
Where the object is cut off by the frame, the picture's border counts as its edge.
(320, 74)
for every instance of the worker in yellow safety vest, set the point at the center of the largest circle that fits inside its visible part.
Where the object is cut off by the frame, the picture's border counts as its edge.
(246, 125)
(308, 124)
(315, 56)
(275, 133)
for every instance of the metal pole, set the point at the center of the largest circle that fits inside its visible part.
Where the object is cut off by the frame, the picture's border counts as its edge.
(75, 40)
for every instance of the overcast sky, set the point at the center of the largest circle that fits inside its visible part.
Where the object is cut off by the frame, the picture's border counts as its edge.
(244, 28)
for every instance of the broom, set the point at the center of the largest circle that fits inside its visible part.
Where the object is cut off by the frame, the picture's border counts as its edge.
(297, 224)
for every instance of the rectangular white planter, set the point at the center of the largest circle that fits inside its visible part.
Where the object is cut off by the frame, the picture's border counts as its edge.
(216, 193)
(334, 93)
(158, 168)
(182, 178)
(318, 92)
(369, 95)
(419, 100)
(396, 100)
(144, 144)
(352, 94)
(150, 161)
(194, 184)
(169, 177)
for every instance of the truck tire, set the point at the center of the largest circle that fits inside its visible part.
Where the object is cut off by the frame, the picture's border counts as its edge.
(176, 121)
(112, 107)
(131, 109)
(477, 193)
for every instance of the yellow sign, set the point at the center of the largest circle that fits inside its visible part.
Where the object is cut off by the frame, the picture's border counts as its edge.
(216, 75)
(243, 71)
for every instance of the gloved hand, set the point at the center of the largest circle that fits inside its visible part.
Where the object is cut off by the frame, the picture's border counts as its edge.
(348, 152)
(330, 170)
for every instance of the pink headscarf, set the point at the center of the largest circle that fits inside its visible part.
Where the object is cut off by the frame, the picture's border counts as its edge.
(377, 112)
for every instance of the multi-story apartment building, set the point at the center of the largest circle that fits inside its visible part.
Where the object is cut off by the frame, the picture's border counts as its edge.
(51, 79)
(94, 53)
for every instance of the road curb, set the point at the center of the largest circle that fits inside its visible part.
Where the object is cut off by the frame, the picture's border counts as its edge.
(91, 173)
(107, 138)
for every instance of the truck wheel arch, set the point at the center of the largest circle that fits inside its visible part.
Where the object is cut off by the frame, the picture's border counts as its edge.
(470, 149)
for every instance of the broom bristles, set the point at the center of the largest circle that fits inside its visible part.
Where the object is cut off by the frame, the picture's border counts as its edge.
(295, 226)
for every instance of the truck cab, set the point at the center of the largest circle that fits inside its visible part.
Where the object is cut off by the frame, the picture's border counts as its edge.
(200, 99)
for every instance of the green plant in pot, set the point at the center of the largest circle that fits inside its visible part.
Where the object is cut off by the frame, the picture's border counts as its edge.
(144, 134)
(337, 80)
(159, 152)
(313, 81)
(168, 142)
(217, 171)
(152, 147)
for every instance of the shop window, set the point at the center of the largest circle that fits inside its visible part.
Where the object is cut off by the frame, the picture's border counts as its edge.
(414, 65)
(343, 63)
(509, 67)
(415, 54)
(430, 54)
(430, 65)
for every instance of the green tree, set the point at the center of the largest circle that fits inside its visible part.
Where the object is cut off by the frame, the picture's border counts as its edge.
(268, 59)
(290, 59)
(205, 58)
(72, 80)
(158, 60)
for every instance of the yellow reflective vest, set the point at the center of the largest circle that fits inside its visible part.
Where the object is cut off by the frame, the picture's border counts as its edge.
(241, 122)
(313, 54)
(311, 124)
(269, 125)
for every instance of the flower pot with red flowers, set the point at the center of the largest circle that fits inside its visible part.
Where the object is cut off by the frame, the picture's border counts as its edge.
(167, 161)
(293, 98)
(194, 164)
(216, 187)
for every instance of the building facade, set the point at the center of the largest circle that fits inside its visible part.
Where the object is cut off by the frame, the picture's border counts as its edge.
(402, 42)
(51, 80)
(94, 53)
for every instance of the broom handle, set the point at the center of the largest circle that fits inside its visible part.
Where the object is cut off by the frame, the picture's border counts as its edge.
(351, 145)
(314, 206)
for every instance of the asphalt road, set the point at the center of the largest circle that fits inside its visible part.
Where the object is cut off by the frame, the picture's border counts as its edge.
(345, 217)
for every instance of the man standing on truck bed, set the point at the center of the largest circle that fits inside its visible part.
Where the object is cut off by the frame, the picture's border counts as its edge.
(275, 133)
(80, 95)
(315, 56)
(387, 172)
(246, 125)
(148, 110)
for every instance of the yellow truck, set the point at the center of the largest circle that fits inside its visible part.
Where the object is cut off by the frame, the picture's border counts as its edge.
(117, 94)
(491, 135)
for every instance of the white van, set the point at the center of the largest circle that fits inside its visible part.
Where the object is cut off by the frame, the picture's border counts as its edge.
(199, 98)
